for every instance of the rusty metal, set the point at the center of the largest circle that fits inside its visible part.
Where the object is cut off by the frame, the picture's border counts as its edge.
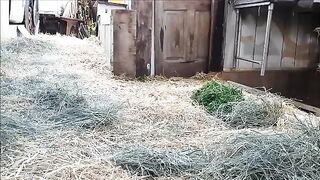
(249, 60)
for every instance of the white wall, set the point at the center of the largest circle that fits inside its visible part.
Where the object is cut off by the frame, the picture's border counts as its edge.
(106, 29)
(53, 6)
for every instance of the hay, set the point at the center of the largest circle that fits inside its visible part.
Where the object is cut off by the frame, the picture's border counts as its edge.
(271, 156)
(149, 162)
(48, 87)
(243, 155)
(11, 129)
(49, 90)
(73, 110)
(239, 110)
(254, 111)
(20, 46)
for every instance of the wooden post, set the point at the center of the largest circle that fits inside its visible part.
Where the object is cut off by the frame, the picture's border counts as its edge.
(124, 42)
(144, 35)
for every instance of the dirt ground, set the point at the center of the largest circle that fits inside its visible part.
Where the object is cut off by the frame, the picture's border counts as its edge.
(157, 113)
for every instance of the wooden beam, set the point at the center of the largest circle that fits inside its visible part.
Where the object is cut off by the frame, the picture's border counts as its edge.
(144, 35)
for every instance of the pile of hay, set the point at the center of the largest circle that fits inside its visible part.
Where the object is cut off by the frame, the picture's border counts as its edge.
(145, 161)
(36, 103)
(275, 155)
(244, 155)
(236, 109)
(254, 111)
(73, 110)
(61, 119)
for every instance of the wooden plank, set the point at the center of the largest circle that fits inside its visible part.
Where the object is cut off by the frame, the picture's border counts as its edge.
(290, 32)
(303, 41)
(276, 40)
(214, 6)
(229, 34)
(260, 34)
(202, 35)
(124, 42)
(306, 107)
(216, 35)
(182, 37)
(144, 35)
(247, 36)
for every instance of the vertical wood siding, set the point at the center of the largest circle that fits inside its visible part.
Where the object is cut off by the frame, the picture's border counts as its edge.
(293, 44)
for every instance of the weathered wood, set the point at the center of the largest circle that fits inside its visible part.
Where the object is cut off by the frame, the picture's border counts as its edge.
(230, 27)
(292, 41)
(124, 42)
(182, 33)
(276, 40)
(247, 37)
(144, 34)
(290, 32)
(303, 41)
(216, 35)
(260, 33)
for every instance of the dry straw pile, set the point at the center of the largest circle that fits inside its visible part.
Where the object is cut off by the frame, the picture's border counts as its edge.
(64, 116)
(245, 155)
(237, 109)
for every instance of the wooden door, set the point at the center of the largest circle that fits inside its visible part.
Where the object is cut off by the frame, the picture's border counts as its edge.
(182, 33)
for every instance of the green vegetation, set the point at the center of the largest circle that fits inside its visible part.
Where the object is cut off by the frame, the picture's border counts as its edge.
(214, 94)
(229, 104)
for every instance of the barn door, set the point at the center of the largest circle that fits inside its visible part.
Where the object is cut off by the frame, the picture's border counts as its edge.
(182, 33)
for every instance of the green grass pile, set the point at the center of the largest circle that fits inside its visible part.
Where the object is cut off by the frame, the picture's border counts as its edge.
(214, 94)
(229, 104)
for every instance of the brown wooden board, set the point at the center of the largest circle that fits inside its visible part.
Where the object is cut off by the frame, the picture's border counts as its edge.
(276, 39)
(182, 33)
(290, 32)
(303, 41)
(124, 38)
(144, 27)
(260, 34)
(293, 44)
(247, 37)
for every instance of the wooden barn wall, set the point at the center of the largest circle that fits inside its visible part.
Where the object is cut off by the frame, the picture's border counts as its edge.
(293, 44)
(144, 34)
